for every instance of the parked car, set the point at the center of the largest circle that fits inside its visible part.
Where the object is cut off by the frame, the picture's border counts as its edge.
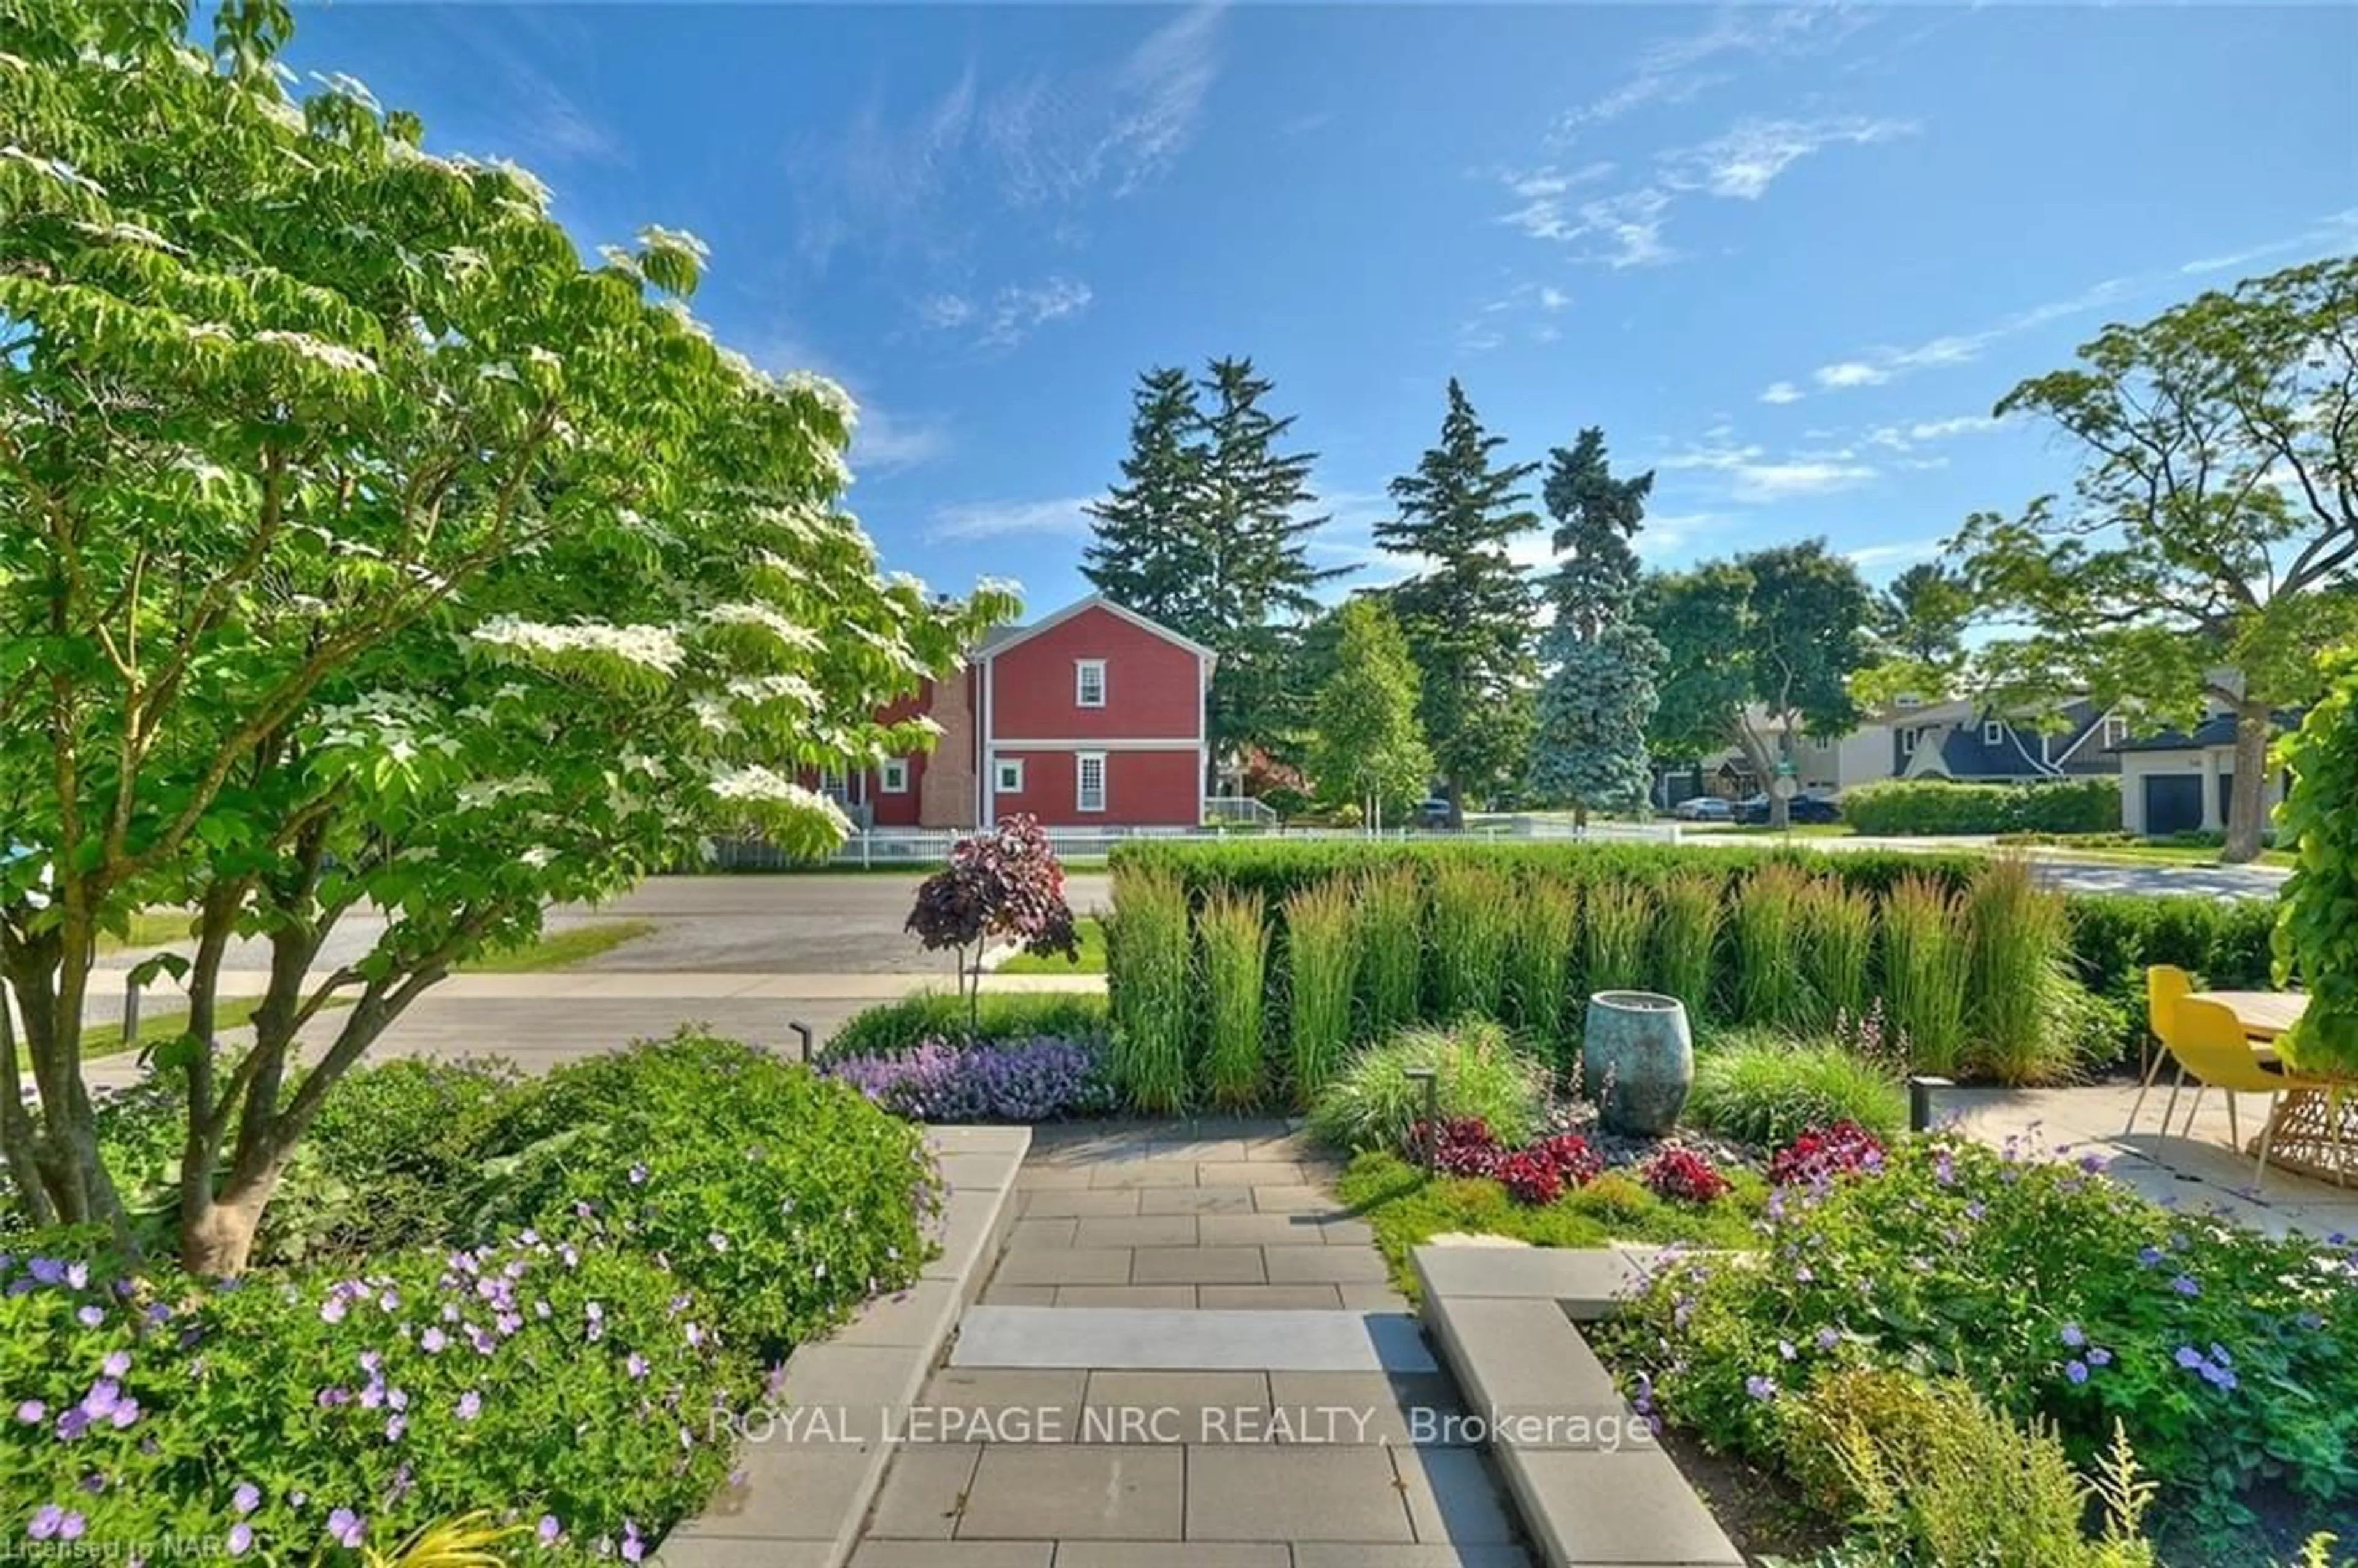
(1432, 812)
(1703, 808)
(1755, 809)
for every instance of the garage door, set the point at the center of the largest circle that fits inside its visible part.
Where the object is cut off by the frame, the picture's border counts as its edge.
(2173, 802)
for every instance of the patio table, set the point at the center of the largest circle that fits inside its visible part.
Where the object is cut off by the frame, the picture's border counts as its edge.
(2312, 1130)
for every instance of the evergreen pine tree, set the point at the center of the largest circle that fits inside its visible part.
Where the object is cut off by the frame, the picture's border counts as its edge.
(1467, 616)
(1150, 554)
(1206, 535)
(1599, 695)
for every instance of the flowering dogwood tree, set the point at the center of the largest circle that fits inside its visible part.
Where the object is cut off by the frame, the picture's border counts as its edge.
(367, 548)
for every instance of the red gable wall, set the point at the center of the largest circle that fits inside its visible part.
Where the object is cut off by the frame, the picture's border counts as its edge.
(1153, 685)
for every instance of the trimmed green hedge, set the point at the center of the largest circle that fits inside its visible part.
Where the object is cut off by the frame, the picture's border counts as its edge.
(1902, 806)
(2112, 937)
(895, 1028)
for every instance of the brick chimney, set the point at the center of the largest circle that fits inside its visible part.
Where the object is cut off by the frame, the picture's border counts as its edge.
(946, 793)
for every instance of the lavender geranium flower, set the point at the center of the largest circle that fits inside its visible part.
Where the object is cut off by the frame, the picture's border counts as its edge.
(117, 1364)
(245, 1499)
(549, 1530)
(470, 1405)
(2076, 1371)
(32, 1413)
(1760, 1388)
(2185, 1286)
(432, 1341)
(2073, 1335)
(345, 1526)
(240, 1540)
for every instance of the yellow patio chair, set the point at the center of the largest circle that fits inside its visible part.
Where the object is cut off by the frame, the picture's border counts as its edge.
(2164, 985)
(2209, 1042)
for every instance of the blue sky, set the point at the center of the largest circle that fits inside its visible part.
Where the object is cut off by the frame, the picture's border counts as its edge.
(1788, 256)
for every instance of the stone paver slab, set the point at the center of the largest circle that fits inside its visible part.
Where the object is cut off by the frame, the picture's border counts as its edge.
(942, 1554)
(1038, 1176)
(1348, 1233)
(1276, 1298)
(1592, 1280)
(1033, 1235)
(1453, 1496)
(1196, 1200)
(1248, 1174)
(1117, 1339)
(1199, 1266)
(919, 1317)
(1144, 1174)
(1372, 1298)
(1296, 1200)
(1076, 1491)
(965, 1173)
(684, 1549)
(1139, 1230)
(1379, 1407)
(1320, 1554)
(1262, 1230)
(1326, 1266)
(925, 1491)
(791, 1492)
(1624, 1509)
(1019, 1295)
(1169, 1554)
(1087, 1202)
(1125, 1296)
(999, 1389)
(1071, 1266)
(1293, 1494)
(1522, 1357)
(1174, 1407)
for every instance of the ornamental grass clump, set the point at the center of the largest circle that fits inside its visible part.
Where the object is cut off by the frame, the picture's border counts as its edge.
(1373, 1103)
(1390, 936)
(1770, 988)
(1618, 918)
(1147, 978)
(1764, 1089)
(1927, 971)
(1686, 939)
(1321, 965)
(1472, 923)
(1837, 935)
(1539, 955)
(1235, 954)
(2027, 1010)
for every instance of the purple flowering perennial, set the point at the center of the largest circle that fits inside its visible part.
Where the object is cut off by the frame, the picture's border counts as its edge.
(1021, 1080)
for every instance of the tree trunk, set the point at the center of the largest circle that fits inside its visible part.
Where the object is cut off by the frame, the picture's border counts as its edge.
(1456, 800)
(217, 1241)
(2247, 808)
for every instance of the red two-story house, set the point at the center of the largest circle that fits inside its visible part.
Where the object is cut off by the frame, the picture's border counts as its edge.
(1093, 716)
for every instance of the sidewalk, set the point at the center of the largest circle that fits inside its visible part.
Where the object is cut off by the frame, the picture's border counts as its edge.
(1187, 1358)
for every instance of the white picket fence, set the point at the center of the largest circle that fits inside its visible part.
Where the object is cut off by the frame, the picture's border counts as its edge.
(916, 847)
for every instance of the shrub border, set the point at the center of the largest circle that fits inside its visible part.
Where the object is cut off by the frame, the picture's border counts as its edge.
(801, 1503)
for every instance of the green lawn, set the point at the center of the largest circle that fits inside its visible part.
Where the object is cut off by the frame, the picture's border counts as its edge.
(1093, 954)
(149, 928)
(2155, 854)
(155, 1028)
(1407, 1208)
(560, 949)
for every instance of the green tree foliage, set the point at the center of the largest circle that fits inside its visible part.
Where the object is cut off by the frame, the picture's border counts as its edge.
(1367, 746)
(1599, 696)
(367, 548)
(1918, 633)
(1467, 614)
(2206, 551)
(1206, 533)
(1758, 651)
(2317, 923)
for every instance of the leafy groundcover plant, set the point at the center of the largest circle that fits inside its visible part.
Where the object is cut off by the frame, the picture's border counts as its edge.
(559, 1339)
(2229, 1360)
(1020, 1080)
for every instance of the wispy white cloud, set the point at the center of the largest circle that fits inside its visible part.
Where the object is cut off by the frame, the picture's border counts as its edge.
(946, 311)
(1849, 372)
(1880, 364)
(1021, 308)
(1896, 554)
(1906, 437)
(1676, 69)
(1063, 518)
(2336, 230)
(1769, 482)
(1527, 306)
(1743, 163)
(1048, 139)
(1782, 392)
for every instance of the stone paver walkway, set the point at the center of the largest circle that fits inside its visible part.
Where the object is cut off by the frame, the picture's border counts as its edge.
(1149, 1380)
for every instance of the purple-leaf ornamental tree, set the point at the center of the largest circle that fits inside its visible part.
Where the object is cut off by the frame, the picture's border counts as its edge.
(1003, 883)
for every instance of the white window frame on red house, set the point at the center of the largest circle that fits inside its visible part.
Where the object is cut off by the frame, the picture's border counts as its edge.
(1002, 771)
(892, 776)
(1082, 670)
(1081, 761)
